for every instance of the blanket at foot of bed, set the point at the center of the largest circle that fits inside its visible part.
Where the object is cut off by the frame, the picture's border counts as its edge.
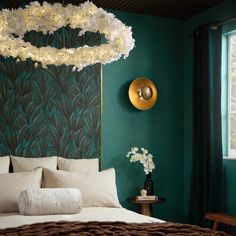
(108, 228)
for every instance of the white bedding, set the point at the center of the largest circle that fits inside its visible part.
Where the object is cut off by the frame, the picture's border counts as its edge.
(87, 214)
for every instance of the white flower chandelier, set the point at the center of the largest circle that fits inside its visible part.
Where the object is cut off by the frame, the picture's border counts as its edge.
(48, 18)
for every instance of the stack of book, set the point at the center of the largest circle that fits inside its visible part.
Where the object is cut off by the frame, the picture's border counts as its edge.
(147, 197)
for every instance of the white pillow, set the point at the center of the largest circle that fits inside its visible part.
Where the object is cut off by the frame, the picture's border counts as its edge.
(49, 201)
(4, 164)
(97, 189)
(78, 165)
(12, 184)
(26, 163)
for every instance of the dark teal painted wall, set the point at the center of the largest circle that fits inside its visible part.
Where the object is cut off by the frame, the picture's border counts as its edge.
(158, 55)
(164, 54)
(221, 12)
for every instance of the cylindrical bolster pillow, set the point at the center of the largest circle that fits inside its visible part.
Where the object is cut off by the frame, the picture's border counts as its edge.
(49, 201)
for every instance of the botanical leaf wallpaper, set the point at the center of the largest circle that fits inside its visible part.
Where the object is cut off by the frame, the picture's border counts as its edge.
(52, 111)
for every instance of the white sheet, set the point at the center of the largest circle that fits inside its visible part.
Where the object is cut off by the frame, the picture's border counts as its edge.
(87, 214)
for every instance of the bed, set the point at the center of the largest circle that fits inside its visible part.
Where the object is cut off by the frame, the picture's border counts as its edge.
(87, 214)
(100, 212)
(95, 221)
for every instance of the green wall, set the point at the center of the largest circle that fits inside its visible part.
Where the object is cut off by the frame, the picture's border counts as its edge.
(163, 53)
(221, 12)
(158, 55)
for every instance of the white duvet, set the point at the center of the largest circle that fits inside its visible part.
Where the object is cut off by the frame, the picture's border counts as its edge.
(87, 214)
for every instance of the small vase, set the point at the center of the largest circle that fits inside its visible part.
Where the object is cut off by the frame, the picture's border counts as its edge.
(148, 184)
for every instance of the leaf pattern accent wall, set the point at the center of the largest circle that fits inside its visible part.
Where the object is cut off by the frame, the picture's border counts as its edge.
(51, 111)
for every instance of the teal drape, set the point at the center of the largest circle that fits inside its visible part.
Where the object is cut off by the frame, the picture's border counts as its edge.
(206, 191)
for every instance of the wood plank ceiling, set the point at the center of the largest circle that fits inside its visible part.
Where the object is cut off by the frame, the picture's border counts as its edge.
(178, 9)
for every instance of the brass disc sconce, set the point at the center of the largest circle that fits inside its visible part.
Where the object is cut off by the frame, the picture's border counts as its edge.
(142, 93)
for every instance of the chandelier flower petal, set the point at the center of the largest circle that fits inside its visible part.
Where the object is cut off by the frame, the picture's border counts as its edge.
(48, 18)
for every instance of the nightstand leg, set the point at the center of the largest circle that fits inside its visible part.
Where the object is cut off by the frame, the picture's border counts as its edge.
(146, 209)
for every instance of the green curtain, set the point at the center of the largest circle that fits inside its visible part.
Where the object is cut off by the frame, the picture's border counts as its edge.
(206, 191)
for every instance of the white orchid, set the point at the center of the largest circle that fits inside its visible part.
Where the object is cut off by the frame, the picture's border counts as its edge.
(134, 150)
(144, 158)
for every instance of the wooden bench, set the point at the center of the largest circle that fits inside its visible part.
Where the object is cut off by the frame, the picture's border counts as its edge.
(218, 218)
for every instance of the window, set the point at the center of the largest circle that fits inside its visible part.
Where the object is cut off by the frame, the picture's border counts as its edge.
(232, 95)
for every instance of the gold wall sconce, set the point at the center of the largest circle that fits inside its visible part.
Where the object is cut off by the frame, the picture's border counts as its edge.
(142, 93)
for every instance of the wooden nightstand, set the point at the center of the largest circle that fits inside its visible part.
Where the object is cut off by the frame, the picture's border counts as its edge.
(146, 205)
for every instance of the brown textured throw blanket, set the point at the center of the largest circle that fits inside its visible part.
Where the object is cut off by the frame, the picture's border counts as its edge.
(107, 228)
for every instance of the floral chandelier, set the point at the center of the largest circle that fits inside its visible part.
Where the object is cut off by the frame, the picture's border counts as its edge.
(48, 18)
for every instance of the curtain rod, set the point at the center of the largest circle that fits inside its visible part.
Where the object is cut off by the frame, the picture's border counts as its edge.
(215, 25)
(229, 20)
